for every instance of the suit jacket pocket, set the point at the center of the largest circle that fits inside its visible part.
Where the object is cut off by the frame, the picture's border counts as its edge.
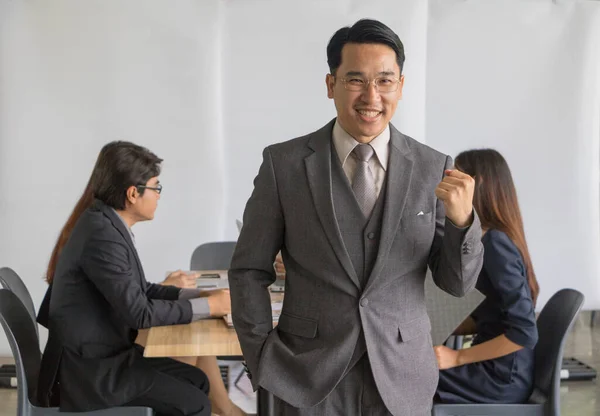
(414, 328)
(413, 219)
(413, 241)
(296, 325)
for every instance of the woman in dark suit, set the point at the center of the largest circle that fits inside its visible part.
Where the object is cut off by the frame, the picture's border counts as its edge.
(499, 367)
(99, 298)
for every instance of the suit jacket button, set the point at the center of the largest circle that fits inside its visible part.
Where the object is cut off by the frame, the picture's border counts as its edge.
(364, 302)
(371, 236)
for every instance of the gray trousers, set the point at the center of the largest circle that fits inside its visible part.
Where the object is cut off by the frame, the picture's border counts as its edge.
(355, 395)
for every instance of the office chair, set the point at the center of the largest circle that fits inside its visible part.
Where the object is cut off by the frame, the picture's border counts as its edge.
(10, 280)
(554, 323)
(212, 256)
(23, 340)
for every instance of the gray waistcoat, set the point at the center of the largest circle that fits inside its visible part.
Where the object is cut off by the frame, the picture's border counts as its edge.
(359, 234)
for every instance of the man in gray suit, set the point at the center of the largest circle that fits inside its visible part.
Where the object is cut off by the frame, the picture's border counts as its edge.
(359, 211)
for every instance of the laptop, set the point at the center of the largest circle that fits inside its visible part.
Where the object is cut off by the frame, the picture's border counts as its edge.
(212, 279)
(447, 312)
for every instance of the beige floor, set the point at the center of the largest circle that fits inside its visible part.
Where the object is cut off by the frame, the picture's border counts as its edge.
(578, 398)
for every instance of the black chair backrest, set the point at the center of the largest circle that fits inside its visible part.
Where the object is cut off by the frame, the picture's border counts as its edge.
(23, 341)
(213, 256)
(554, 323)
(11, 281)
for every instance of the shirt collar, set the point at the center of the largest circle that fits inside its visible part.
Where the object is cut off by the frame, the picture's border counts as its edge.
(344, 144)
(125, 224)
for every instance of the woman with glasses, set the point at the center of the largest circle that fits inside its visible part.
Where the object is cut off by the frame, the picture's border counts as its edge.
(499, 367)
(99, 297)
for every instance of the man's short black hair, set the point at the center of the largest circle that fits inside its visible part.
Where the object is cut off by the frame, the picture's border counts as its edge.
(363, 31)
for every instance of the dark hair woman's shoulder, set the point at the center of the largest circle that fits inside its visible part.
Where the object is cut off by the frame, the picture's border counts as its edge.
(499, 243)
(95, 223)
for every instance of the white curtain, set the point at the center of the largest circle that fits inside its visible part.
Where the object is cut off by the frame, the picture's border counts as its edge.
(206, 84)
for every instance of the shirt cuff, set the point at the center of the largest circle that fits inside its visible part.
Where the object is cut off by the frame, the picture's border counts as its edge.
(200, 309)
(466, 227)
(185, 294)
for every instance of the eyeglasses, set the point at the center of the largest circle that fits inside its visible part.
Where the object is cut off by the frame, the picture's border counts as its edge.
(382, 84)
(157, 188)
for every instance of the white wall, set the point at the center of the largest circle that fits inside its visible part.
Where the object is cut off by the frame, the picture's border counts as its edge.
(206, 84)
(274, 64)
(524, 77)
(75, 75)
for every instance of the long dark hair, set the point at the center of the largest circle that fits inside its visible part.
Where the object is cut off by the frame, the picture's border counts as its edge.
(495, 201)
(119, 165)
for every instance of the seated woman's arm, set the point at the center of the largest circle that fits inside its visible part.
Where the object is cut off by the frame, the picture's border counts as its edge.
(181, 280)
(106, 263)
(205, 304)
(494, 348)
(172, 287)
(504, 266)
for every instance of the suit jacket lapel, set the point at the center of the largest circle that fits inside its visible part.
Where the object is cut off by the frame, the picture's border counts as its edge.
(318, 172)
(398, 175)
(120, 226)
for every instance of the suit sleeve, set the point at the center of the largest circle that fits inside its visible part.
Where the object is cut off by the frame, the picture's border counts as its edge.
(107, 264)
(456, 256)
(504, 266)
(252, 271)
(156, 291)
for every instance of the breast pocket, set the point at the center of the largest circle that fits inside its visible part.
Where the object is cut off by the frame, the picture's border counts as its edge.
(419, 219)
(415, 235)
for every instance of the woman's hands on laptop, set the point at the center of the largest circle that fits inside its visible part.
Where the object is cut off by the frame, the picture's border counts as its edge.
(181, 279)
(219, 302)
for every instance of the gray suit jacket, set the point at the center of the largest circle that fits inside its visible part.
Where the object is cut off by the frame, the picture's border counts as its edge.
(324, 310)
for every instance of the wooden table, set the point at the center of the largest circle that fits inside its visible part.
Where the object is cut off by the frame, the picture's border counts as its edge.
(200, 338)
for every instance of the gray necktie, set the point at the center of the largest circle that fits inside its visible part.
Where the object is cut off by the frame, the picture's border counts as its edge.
(363, 183)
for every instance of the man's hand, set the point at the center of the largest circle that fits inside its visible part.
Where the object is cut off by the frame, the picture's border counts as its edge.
(181, 279)
(446, 357)
(456, 192)
(219, 302)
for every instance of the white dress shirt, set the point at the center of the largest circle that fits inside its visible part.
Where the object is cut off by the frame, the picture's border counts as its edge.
(344, 144)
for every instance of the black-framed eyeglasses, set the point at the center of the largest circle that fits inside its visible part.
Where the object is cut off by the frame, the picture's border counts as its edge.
(157, 188)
